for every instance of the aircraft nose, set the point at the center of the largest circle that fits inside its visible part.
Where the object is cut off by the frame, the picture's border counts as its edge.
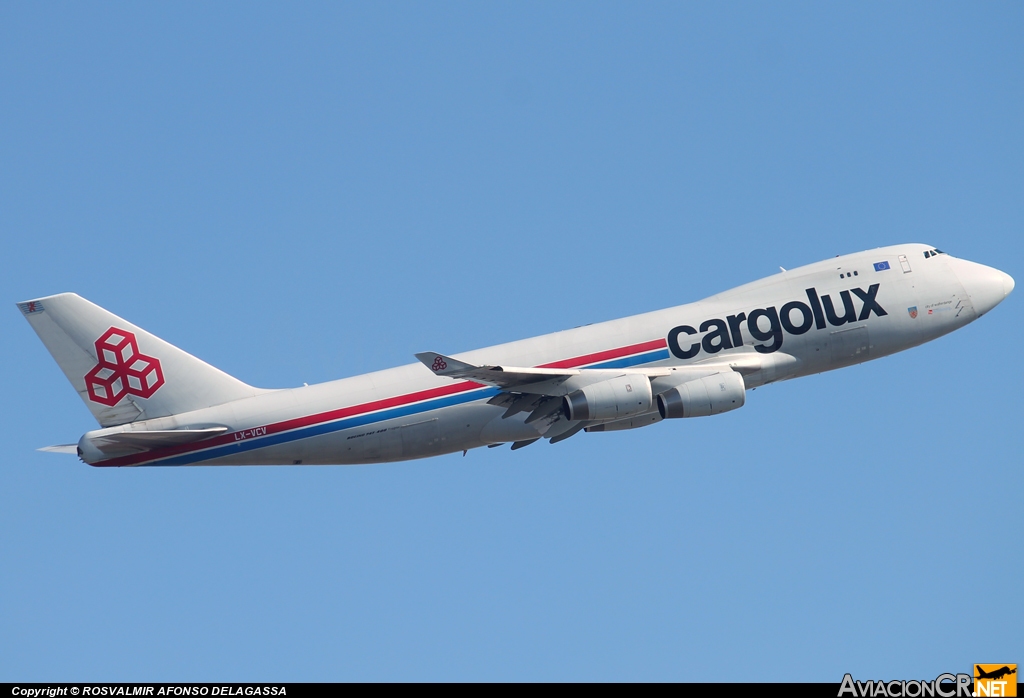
(986, 286)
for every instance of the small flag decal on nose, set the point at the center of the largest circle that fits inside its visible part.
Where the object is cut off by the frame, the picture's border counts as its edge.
(881, 266)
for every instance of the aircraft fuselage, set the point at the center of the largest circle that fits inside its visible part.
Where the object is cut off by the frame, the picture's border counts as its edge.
(815, 318)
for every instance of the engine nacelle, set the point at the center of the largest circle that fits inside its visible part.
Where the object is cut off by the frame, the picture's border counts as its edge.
(615, 398)
(705, 396)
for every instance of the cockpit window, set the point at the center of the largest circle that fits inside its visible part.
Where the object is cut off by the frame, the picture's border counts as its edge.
(932, 253)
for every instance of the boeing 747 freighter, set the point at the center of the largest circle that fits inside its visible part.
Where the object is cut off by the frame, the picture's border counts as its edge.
(158, 405)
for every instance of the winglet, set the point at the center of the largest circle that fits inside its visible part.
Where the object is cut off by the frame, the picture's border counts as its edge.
(443, 365)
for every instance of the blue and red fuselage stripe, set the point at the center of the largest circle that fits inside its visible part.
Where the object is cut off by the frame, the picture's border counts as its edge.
(375, 411)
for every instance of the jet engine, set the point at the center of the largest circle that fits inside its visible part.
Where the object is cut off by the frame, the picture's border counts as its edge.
(714, 394)
(615, 398)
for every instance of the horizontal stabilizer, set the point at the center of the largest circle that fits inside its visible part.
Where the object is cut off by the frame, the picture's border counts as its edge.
(146, 440)
(60, 448)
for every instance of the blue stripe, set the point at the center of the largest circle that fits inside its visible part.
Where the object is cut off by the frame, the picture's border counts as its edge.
(371, 418)
(649, 357)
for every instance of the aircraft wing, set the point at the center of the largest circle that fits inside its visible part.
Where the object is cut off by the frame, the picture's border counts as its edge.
(536, 381)
(507, 377)
(136, 440)
(556, 382)
(537, 391)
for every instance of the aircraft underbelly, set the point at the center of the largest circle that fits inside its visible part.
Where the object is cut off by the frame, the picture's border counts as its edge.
(428, 434)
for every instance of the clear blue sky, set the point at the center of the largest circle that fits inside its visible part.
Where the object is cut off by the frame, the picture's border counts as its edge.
(302, 192)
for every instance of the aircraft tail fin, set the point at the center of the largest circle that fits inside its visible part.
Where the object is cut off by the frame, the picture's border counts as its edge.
(123, 373)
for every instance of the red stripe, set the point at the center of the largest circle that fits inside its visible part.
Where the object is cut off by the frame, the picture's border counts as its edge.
(606, 355)
(374, 406)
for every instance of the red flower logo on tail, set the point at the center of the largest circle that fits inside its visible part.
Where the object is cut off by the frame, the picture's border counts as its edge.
(122, 369)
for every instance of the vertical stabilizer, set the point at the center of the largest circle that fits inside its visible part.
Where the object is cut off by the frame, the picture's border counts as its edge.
(123, 373)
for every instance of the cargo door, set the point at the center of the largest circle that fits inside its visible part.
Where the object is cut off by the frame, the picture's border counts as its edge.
(849, 346)
(420, 438)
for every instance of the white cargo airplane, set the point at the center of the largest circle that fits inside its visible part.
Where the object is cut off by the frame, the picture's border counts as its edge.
(161, 406)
